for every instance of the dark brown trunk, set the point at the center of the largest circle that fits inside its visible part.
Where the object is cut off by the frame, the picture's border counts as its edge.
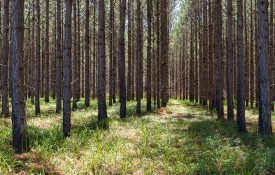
(87, 55)
(47, 56)
(58, 58)
(138, 58)
(5, 60)
(265, 124)
(37, 61)
(164, 53)
(240, 66)
(18, 104)
(67, 68)
(229, 61)
(111, 55)
(121, 60)
(102, 111)
(149, 53)
(218, 58)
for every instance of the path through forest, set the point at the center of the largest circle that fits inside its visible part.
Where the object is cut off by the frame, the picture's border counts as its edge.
(182, 139)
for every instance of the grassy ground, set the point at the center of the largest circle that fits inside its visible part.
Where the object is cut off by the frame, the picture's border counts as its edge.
(184, 139)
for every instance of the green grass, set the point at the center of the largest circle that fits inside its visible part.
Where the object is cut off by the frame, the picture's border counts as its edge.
(183, 139)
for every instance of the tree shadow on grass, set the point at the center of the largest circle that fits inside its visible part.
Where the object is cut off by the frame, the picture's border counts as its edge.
(243, 152)
(207, 128)
(131, 110)
(51, 140)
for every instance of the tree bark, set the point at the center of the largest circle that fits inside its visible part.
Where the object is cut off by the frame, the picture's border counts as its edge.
(191, 64)
(218, 58)
(246, 55)
(240, 65)
(211, 88)
(129, 73)
(47, 56)
(158, 52)
(5, 60)
(164, 53)
(111, 55)
(75, 57)
(38, 59)
(121, 59)
(58, 58)
(102, 112)
(87, 55)
(67, 68)
(18, 104)
(272, 56)
(149, 53)
(94, 52)
(229, 61)
(204, 63)
(138, 58)
(252, 57)
(265, 125)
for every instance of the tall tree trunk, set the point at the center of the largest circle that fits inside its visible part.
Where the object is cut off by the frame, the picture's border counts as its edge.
(67, 68)
(240, 65)
(75, 55)
(158, 52)
(5, 60)
(111, 55)
(265, 125)
(149, 53)
(42, 62)
(229, 60)
(183, 64)
(218, 58)
(58, 58)
(1, 46)
(252, 57)
(138, 58)
(204, 63)
(87, 55)
(129, 73)
(78, 62)
(47, 55)
(257, 53)
(164, 53)
(133, 82)
(272, 56)
(191, 64)
(115, 70)
(211, 92)
(53, 57)
(102, 111)
(37, 55)
(246, 55)
(121, 59)
(235, 58)
(18, 104)
(94, 52)
(33, 51)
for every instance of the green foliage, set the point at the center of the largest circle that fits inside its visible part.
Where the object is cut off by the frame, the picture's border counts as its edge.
(183, 139)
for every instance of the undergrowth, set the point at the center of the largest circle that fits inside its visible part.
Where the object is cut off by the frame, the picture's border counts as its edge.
(183, 139)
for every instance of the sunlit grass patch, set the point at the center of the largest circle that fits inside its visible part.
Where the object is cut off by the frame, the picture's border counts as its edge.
(182, 139)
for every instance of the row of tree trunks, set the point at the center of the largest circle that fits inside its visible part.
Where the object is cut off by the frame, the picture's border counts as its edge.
(239, 46)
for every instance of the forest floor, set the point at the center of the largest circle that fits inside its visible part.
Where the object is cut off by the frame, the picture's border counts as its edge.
(182, 139)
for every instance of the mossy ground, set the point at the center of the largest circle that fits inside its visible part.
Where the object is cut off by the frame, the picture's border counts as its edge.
(183, 139)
